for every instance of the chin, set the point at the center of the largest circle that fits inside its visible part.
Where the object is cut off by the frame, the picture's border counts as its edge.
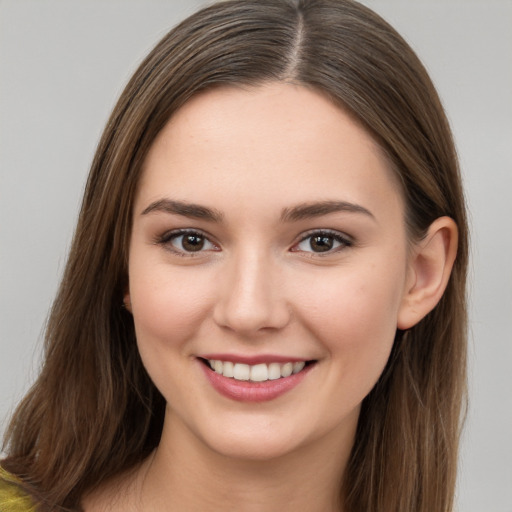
(264, 436)
(253, 448)
(246, 436)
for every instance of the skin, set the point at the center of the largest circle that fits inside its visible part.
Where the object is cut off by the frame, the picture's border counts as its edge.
(257, 286)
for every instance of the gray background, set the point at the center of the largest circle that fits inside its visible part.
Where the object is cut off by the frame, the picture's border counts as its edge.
(62, 65)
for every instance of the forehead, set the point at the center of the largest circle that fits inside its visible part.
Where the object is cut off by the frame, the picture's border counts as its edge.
(275, 143)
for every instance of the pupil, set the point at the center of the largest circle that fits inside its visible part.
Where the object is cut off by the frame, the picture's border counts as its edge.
(321, 243)
(193, 242)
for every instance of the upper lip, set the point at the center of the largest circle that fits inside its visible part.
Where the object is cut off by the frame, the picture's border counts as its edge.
(254, 359)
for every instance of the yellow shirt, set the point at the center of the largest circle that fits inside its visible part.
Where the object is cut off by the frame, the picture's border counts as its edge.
(12, 498)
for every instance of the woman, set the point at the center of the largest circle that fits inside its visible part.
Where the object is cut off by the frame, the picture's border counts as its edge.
(264, 303)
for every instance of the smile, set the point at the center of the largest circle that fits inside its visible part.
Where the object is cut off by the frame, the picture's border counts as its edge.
(256, 382)
(255, 373)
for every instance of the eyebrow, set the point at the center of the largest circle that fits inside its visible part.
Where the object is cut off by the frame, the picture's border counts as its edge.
(192, 210)
(293, 214)
(318, 209)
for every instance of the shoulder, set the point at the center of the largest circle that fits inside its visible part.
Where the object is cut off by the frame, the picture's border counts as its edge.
(12, 497)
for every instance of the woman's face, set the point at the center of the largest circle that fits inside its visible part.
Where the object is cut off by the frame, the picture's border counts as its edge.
(268, 239)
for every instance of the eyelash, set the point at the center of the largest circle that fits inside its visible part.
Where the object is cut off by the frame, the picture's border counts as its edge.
(342, 239)
(168, 237)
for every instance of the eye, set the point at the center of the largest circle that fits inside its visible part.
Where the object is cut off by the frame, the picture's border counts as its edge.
(323, 242)
(187, 242)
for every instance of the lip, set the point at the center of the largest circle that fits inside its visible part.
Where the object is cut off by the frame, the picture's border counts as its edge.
(246, 391)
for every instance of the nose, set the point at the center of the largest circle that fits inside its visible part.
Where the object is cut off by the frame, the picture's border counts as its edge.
(251, 298)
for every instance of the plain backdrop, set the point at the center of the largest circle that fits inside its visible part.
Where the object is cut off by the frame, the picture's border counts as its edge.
(62, 65)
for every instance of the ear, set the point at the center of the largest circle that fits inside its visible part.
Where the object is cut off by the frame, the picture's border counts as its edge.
(429, 270)
(127, 303)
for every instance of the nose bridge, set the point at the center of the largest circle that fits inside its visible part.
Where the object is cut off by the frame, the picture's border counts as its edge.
(251, 297)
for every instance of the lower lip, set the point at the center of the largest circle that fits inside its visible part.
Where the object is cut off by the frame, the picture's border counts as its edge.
(247, 391)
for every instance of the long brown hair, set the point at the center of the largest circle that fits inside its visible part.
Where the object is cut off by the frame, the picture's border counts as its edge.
(94, 412)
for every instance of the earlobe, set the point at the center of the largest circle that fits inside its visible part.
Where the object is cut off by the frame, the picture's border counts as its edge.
(430, 268)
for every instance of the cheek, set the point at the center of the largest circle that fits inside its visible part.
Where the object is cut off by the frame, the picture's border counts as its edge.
(353, 314)
(167, 306)
(168, 309)
(352, 302)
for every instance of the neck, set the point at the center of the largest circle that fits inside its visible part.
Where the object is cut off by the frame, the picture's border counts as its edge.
(185, 474)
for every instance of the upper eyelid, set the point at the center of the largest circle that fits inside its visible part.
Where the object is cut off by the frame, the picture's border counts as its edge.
(183, 231)
(325, 231)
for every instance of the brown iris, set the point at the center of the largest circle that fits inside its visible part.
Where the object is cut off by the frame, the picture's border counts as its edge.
(321, 243)
(192, 243)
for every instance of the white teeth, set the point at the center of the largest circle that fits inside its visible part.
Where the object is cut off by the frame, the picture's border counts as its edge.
(255, 373)
(274, 371)
(297, 367)
(286, 369)
(241, 371)
(228, 369)
(218, 366)
(259, 373)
